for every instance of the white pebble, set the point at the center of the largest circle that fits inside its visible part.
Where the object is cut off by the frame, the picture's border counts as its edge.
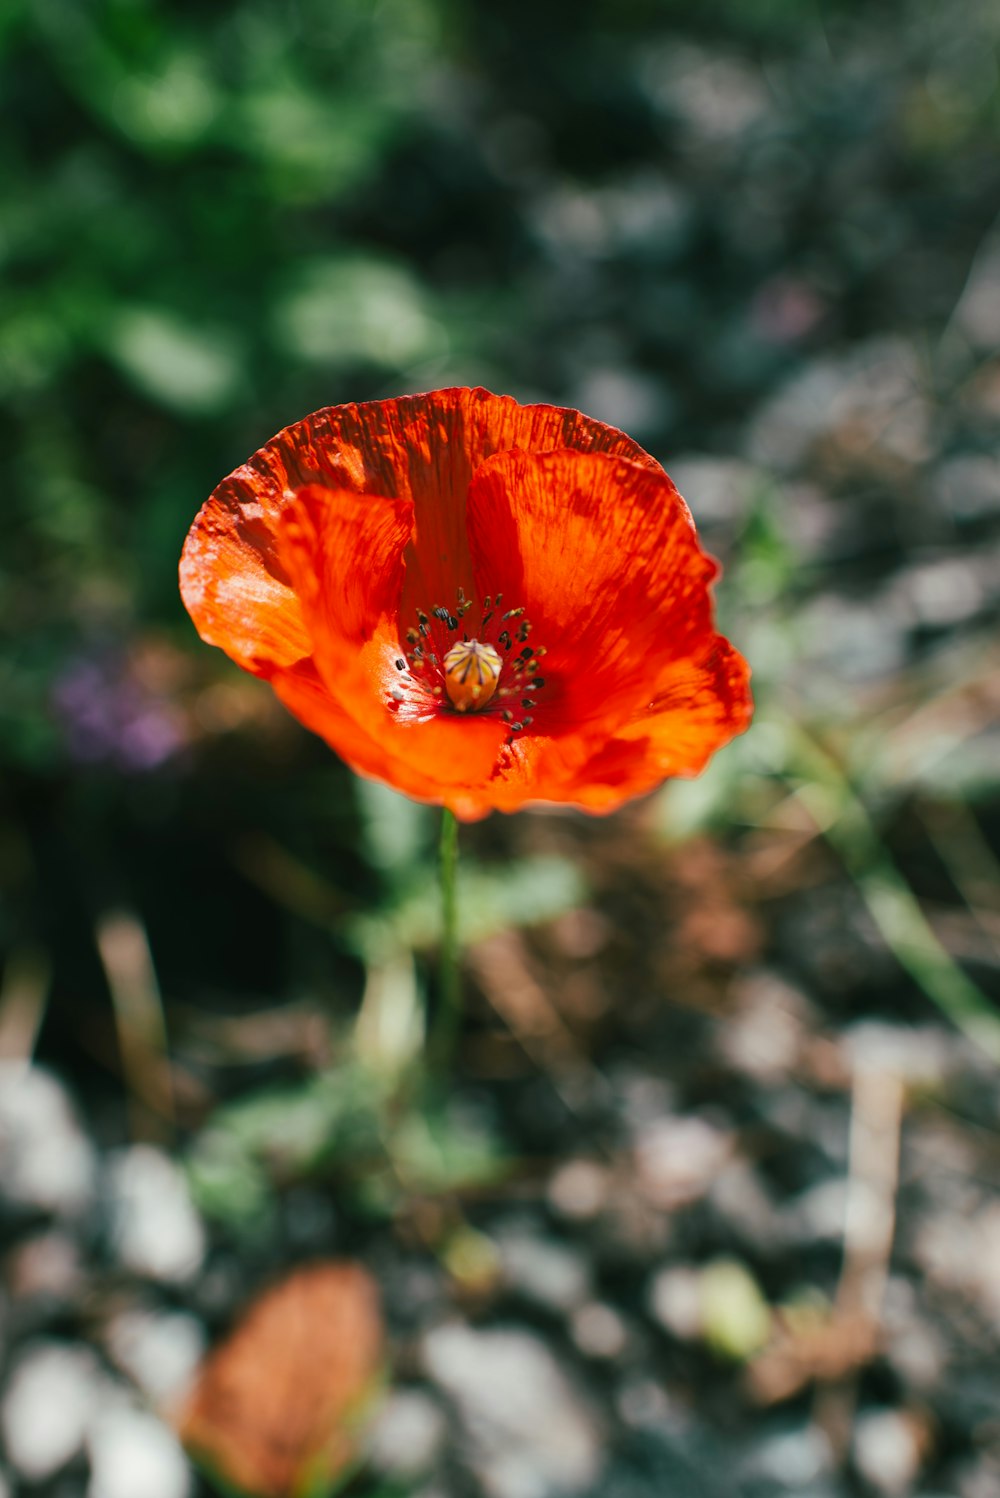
(677, 1158)
(550, 1273)
(579, 1189)
(529, 1433)
(131, 1453)
(159, 1350)
(675, 1301)
(50, 1396)
(409, 1434)
(157, 1232)
(598, 1330)
(46, 1161)
(887, 1450)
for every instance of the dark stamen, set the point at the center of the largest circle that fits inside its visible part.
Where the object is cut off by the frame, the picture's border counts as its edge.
(528, 702)
(538, 682)
(513, 614)
(400, 664)
(504, 639)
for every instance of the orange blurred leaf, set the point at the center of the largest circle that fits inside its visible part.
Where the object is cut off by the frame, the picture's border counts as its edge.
(278, 1405)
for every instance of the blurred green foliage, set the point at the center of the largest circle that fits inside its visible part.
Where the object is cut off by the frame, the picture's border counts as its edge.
(217, 217)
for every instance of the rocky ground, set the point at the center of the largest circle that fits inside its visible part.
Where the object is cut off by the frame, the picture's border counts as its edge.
(708, 1203)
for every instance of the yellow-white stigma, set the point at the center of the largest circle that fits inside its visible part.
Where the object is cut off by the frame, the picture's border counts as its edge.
(471, 673)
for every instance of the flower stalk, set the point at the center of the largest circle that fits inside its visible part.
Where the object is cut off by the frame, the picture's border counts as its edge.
(449, 1011)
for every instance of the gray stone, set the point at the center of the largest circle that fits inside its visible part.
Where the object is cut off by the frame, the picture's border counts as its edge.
(719, 490)
(678, 1157)
(978, 310)
(580, 1189)
(792, 1459)
(887, 1450)
(51, 1394)
(528, 1433)
(552, 1274)
(408, 1435)
(159, 1350)
(45, 1267)
(156, 1231)
(962, 1254)
(764, 1038)
(968, 486)
(46, 1161)
(132, 1454)
(675, 1301)
(598, 1330)
(740, 1199)
(870, 404)
(923, 1056)
(913, 1343)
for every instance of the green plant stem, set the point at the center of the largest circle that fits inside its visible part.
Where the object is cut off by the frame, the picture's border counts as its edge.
(449, 1012)
(843, 819)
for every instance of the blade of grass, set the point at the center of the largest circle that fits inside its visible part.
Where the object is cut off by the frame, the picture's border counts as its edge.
(848, 828)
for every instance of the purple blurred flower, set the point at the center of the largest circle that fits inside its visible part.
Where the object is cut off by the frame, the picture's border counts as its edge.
(111, 713)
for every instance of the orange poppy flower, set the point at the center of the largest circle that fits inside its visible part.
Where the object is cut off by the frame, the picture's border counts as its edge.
(483, 604)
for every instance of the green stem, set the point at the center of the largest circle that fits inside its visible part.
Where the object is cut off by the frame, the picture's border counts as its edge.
(449, 1012)
(843, 819)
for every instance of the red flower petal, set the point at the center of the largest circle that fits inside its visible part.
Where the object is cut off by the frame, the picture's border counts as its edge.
(344, 557)
(700, 704)
(419, 447)
(603, 556)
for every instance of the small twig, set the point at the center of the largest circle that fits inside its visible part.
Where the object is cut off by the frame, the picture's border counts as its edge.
(830, 1349)
(139, 1020)
(22, 1002)
(873, 1179)
(869, 1228)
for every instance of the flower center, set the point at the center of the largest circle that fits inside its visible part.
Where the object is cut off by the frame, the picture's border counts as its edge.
(473, 675)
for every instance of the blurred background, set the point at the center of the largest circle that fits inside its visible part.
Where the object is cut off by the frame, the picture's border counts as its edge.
(710, 1206)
